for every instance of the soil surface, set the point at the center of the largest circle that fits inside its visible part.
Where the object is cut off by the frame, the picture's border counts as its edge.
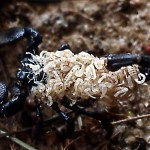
(98, 27)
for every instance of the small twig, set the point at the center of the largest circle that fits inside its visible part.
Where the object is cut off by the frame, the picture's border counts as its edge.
(84, 16)
(71, 142)
(17, 141)
(14, 132)
(130, 119)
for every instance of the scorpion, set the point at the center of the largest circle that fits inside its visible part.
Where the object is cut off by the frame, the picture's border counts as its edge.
(66, 78)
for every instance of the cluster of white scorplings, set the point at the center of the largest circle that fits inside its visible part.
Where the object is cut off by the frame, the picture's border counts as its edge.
(80, 76)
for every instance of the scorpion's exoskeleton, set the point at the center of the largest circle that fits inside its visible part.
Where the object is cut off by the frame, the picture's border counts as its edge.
(65, 77)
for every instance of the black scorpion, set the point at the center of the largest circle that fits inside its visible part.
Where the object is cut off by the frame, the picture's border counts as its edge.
(21, 90)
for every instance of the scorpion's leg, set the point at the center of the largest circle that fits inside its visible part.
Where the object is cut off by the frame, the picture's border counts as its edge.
(96, 115)
(9, 108)
(70, 122)
(39, 120)
(39, 116)
(63, 47)
(18, 33)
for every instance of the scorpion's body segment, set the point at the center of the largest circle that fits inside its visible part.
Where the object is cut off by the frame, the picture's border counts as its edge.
(80, 76)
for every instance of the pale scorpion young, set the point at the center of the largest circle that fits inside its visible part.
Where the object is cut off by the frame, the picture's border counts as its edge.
(65, 77)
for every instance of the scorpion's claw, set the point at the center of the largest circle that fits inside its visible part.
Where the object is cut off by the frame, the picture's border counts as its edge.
(9, 108)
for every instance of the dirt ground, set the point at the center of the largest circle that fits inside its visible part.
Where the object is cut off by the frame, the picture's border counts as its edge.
(98, 27)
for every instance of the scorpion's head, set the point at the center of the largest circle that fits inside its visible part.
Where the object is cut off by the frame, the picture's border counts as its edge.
(31, 71)
(25, 76)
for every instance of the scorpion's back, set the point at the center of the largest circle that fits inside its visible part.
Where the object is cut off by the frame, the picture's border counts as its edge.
(81, 76)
